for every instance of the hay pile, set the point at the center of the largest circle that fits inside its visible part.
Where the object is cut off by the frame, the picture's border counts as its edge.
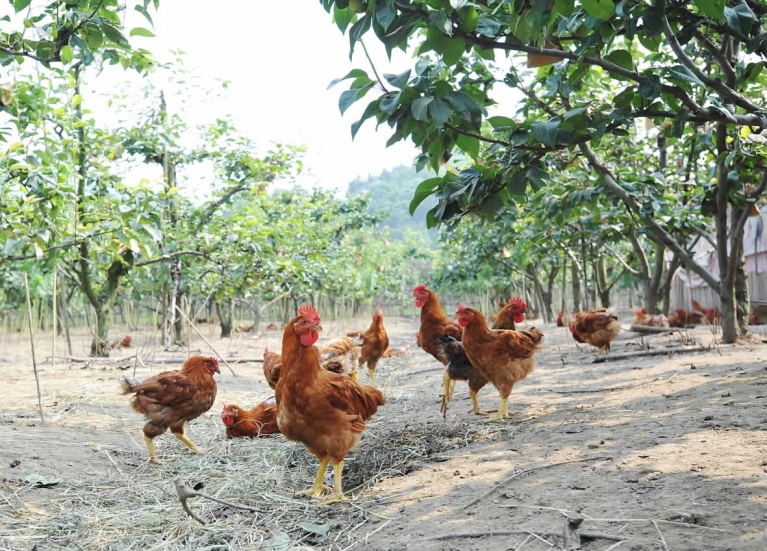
(136, 506)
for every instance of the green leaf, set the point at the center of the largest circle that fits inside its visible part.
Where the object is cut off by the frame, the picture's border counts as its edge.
(712, 8)
(141, 31)
(453, 51)
(19, 5)
(419, 108)
(424, 190)
(354, 73)
(517, 184)
(114, 35)
(398, 81)
(601, 9)
(489, 26)
(92, 36)
(683, 73)
(537, 177)
(677, 127)
(385, 13)
(501, 123)
(66, 54)
(546, 132)
(439, 112)
(342, 17)
(650, 87)
(347, 99)
(469, 144)
(390, 102)
(622, 58)
(740, 19)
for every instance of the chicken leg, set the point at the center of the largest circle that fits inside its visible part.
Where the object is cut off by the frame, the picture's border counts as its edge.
(152, 453)
(475, 405)
(502, 413)
(338, 494)
(372, 372)
(319, 486)
(181, 436)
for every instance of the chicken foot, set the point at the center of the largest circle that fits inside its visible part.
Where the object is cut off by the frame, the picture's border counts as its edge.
(372, 372)
(338, 494)
(503, 411)
(152, 453)
(319, 485)
(181, 436)
(475, 405)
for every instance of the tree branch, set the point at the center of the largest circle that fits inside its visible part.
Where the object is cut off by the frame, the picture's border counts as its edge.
(713, 83)
(662, 235)
(169, 256)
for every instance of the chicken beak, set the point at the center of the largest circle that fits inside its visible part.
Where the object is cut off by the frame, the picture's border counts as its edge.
(218, 370)
(317, 328)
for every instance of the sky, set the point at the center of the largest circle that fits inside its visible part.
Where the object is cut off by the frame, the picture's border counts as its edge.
(280, 56)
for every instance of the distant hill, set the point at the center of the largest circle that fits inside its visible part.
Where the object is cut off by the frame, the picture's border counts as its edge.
(392, 191)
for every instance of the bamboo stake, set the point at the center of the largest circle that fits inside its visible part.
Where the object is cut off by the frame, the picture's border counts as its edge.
(32, 342)
(206, 340)
(55, 320)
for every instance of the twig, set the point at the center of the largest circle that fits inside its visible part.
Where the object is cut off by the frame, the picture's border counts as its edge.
(204, 339)
(584, 535)
(656, 352)
(185, 492)
(608, 389)
(32, 343)
(662, 539)
(526, 471)
(652, 329)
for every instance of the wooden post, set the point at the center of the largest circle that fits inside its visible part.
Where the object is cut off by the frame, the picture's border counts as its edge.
(55, 320)
(32, 342)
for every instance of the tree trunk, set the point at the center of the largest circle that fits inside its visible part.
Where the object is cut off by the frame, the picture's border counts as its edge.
(600, 269)
(668, 283)
(224, 311)
(576, 277)
(742, 299)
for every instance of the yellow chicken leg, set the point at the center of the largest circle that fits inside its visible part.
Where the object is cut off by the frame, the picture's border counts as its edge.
(372, 373)
(152, 453)
(338, 494)
(475, 405)
(181, 436)
(502, 413)
(353, 376)
(319, 486)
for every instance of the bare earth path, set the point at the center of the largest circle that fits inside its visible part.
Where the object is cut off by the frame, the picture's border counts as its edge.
(663, 452)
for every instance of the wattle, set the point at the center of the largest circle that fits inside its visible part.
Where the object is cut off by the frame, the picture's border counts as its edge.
(228, 421)
(309, 338)
(420, 302)
(463, 323)
(519, 318)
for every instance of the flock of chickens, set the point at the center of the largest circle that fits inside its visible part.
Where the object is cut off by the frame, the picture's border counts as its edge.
(318, 400)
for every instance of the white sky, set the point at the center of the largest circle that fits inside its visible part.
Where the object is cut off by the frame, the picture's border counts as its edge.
(280, 56)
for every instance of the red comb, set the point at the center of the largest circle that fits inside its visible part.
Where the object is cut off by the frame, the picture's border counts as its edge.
(308, 311)
(214, 360)
(461, 307)
(518, 301)
(418, 289)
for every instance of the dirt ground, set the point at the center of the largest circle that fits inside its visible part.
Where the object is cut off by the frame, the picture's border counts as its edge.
(665, 452)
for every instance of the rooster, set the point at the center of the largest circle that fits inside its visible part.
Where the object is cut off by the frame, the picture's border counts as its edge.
(324, 411)
(650, 320)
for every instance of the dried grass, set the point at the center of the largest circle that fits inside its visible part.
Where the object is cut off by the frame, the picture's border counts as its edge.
(136, 506)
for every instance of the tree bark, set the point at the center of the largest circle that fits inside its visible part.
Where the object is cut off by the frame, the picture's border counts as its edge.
(576, 277)
(225, 320)
(603, 289)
